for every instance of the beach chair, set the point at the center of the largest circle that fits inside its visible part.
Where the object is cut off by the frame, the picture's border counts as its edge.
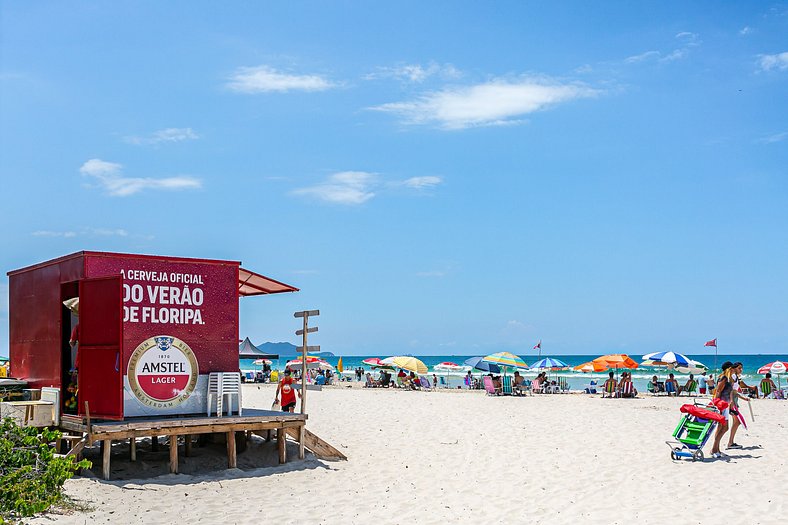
(426, 384)
(693, 431)
(536, 386)
(627, 389)
(691, 388)
(523, 388)
(221, 384)
(506, 386)
(670, 388)
(442, 382)
(609, 388)
(563, 385)
(766, 389)
(490, 388)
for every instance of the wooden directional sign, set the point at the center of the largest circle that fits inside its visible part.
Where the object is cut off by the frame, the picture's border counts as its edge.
(318, 388)
(307, 313)
(308, 330)
(309, 348)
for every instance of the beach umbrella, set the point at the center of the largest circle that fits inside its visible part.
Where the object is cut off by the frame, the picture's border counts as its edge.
(340, 366)
(590, 367)
(616, 361)
(548, 363)
(480, 364)
(448, 366)
(777, 367)
(311, 362)
(408, 363)
(376, 362)
(695, 367)
(505, 359)
(668, 358)
(261, 362)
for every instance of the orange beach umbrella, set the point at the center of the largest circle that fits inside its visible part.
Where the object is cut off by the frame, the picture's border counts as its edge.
(616, 361)
(591, 366)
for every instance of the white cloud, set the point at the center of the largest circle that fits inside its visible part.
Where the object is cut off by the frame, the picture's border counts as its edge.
(676, 54)
(264, 79)
(346, 187)
(165, 135)
(498, 102)
(86, 232)
(648, 55)
(432, 273)
(777, 137)
(109, 176)
(689, 39)
(746, 30)
(419, 183)
(778, 61)
(416, 73)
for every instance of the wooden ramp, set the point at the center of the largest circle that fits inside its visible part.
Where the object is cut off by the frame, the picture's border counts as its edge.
(317, 446)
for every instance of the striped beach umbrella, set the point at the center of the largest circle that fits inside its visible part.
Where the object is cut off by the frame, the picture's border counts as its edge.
(548, 363)
(777, 367)
(616, 361)
(505, 359)
(667, 358)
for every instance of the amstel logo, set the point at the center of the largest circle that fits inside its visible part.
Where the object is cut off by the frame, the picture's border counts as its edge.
(163, 372)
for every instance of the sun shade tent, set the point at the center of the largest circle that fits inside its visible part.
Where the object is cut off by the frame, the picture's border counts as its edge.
(249, 351)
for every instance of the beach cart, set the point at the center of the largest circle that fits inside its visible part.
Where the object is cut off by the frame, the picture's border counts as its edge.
(693, 431)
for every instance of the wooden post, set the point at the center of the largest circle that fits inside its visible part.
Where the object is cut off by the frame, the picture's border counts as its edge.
(187, 445)
(90, 431)
(231, 456)
(154, 443)
(133, 448)
(268, 436)
(301, 442)
(105, 457)
(173, 454)
(303, 365)
(281, 441)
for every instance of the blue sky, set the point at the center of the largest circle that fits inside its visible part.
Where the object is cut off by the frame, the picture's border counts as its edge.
(437, 178)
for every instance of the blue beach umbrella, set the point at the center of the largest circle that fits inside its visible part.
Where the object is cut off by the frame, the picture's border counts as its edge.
(548, 363)
(667, 358)
(480, 364)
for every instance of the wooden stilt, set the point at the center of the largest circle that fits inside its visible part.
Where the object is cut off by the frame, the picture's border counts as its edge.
(281, 442)
(268, 436)
(231, 455)
(107, 444)
(301, 442)
(187, 445)
(133, 448)
(154, 443)
(173, 454)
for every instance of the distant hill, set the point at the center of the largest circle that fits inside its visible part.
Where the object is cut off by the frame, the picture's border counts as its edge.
(287, 350)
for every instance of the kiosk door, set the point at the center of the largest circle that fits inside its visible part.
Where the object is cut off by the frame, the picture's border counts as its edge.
(100, 344)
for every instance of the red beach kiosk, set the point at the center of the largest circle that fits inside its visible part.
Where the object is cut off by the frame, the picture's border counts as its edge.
(150, 329)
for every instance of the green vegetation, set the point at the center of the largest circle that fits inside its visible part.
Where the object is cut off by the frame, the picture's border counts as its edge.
(31, 475)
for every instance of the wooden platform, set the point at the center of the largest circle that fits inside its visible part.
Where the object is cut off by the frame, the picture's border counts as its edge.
(252, 421)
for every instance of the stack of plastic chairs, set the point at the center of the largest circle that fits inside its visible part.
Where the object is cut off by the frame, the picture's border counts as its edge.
(222, 384)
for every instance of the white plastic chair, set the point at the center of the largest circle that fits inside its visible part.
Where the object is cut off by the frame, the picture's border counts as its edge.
(222, 384)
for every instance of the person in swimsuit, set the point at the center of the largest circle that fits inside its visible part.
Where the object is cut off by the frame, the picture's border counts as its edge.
(737, 384)
(287, 392)
(724, 392)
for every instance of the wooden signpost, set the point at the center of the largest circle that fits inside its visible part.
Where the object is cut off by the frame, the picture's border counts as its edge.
(304, 348)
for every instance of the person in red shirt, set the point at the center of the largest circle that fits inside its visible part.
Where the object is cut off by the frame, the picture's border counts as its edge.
(73, 341)
(288, 397)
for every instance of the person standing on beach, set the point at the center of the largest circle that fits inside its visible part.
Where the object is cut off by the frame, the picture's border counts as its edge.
(702, 383)
(287, 392)
(723, 392)
(737, 384)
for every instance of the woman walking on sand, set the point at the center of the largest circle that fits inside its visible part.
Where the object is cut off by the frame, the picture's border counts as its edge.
(723, 392)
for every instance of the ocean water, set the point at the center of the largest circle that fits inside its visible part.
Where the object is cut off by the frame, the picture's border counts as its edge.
(576, 380)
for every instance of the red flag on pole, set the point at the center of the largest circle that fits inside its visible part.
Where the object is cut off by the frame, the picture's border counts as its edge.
(713, 343)
(538, 345)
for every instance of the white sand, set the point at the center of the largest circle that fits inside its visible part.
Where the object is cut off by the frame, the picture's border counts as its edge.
(448, 457)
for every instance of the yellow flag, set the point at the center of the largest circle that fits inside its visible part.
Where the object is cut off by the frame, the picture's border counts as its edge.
(339, 365)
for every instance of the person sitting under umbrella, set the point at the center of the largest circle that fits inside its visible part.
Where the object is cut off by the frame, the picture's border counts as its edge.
(767, 385)
(610, 385)
(672, 386)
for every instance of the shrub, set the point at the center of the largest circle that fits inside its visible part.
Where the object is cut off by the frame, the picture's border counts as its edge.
(31, 476)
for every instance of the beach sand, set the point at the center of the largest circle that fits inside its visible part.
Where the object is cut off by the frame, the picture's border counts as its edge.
(452, 457)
